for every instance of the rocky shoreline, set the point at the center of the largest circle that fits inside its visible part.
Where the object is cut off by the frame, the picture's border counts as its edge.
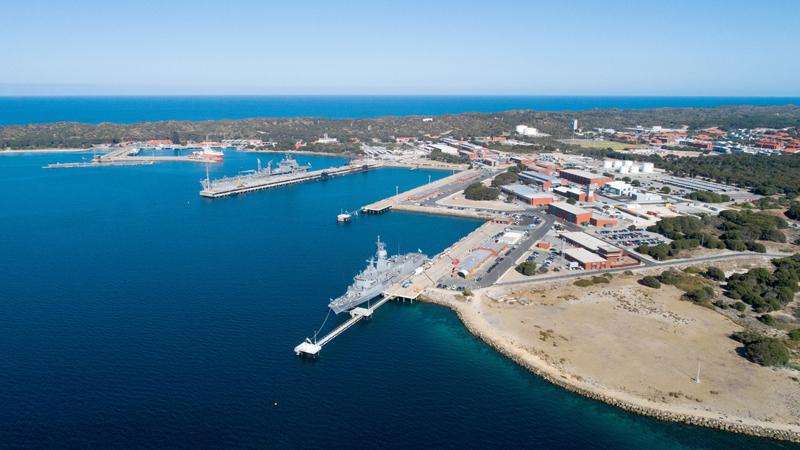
(550, 374)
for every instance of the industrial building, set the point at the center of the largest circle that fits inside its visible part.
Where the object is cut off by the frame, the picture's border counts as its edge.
(592, 244)
(546, 167)
(696, 184)
(618, 187)
(645, 197)
(586, 259)
(569, 212)
(479, 256)
(528, 195)
(543, 180)
(583, 177)
(575, 194)
(525, 130)
(599, 220)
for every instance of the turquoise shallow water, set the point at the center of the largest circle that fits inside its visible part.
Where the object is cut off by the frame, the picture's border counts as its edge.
(133, 313)
(21, 110)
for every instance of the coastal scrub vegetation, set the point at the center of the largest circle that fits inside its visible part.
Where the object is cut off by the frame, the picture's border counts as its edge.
(763, 290)
(695, 288)
(734, 230)
(586, 282)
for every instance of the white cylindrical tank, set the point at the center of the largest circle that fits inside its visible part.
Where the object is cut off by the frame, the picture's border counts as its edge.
(624, 169)
(634, 169)
(647, 167)
(616, 164)
(607, 164)
(627, 163)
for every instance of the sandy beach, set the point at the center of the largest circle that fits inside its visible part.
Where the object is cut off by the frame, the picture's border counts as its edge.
(635, 348)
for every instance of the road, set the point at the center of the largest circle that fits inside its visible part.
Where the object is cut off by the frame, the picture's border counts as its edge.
(510, 259)
(678, 262)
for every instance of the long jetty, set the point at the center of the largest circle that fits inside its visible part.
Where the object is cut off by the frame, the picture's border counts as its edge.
(126, 156)
(312, 348)
(259, 181)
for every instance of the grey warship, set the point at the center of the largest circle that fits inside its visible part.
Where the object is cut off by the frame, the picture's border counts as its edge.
(288, 165)
(381, 272)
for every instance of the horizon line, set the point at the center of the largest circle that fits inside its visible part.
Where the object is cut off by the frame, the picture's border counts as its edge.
(402, 95)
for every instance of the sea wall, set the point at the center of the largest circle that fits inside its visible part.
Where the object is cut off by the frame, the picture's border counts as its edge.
(551, 374)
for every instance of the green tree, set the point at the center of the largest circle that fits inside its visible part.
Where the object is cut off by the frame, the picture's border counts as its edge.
(527, 268)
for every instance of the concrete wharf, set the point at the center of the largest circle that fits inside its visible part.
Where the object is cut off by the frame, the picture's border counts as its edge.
(127, 156)
(424, 191)
(259, 181)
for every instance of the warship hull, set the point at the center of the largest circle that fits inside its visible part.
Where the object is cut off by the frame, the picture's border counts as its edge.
(376, 278)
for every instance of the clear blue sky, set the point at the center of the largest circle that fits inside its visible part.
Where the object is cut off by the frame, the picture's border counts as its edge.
(610, 47)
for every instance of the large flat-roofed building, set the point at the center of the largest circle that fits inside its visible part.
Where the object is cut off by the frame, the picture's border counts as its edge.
(528, 195)
(474, 261)
(569, 212)
(540, 179)
(599, 220)
(593, 244)
(586, 259)
(583, 177)
(547, 168)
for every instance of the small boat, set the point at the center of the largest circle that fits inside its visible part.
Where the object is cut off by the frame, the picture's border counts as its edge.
(344, 217)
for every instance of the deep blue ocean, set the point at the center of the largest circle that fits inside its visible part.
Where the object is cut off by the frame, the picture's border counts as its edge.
(135, 314)
(23, 110)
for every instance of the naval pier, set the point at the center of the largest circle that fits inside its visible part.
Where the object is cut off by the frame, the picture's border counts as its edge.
(259, 181)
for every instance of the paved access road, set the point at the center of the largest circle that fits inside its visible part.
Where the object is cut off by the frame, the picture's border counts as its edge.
(678, 262)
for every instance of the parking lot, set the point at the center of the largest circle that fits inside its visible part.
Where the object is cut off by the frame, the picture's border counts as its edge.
(628, 238)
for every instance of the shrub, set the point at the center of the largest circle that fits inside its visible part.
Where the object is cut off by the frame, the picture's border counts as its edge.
(740, 306)
(692, 270)
(650, 281)
(527, 268)
(714, 273)
(699, 295)
(767, 319)
(735, 245)
(467, 292)
(767, 352)
(755, 247)
(794, 335)
(599, 280)
(794, 211)
(583, 283)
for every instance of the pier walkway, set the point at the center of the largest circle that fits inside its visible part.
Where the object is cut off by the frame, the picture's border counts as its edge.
(312, 348)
